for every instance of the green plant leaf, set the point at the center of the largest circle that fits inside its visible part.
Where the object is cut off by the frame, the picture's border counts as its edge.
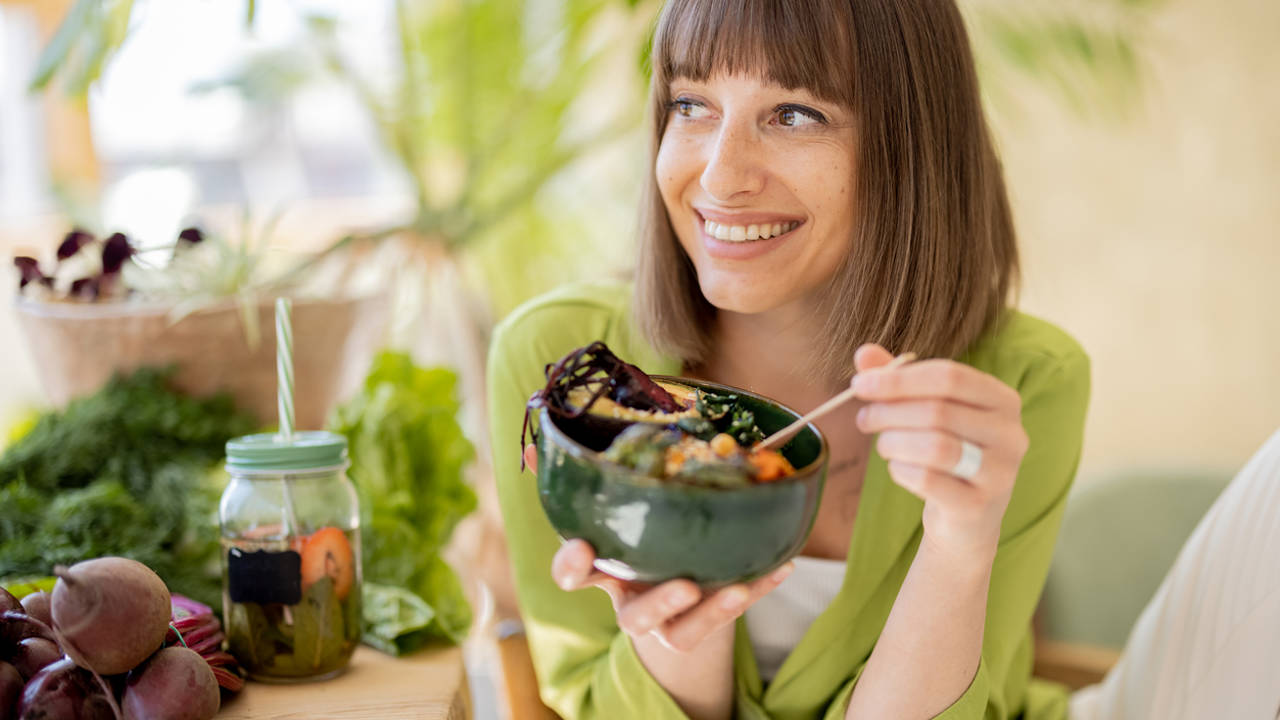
(89, 36)
(64, 39)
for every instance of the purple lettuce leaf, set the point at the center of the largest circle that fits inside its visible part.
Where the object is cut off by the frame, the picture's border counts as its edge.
(72, 243)
(29, 269)
(116, 250)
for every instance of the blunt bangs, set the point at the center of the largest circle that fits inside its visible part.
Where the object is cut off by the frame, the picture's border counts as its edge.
(796, 44)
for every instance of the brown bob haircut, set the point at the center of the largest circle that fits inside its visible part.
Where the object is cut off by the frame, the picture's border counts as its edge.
(933, 261)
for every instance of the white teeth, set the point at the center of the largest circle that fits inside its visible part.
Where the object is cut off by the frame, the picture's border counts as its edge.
(744, 233)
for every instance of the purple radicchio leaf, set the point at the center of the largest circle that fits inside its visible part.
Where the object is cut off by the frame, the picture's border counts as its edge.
(183, 606)
(30, 270)
(116, 250)
(85, 288)
(72, 243)
(191, 235)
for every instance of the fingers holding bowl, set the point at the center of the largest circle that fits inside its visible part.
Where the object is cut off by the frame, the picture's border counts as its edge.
(530, 456)
(686, 631)
(677, 612)
(573, 568)
(647, 611)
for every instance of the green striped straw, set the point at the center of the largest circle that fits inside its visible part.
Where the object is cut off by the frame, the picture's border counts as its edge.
(284, 397)
(284, 366)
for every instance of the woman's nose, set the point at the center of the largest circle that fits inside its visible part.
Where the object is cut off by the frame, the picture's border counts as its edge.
(735, 164)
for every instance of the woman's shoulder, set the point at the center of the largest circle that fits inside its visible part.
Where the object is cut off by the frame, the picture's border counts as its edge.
(579, 301)
(545, 328)
(1023, 346)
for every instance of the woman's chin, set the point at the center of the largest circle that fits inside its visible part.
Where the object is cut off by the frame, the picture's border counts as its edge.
(747, 296)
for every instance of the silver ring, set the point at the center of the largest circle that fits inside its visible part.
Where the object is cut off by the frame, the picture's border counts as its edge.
(970, 461)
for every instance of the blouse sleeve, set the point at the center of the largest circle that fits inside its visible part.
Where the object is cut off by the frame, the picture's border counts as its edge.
(1055, 396)
(586, 667)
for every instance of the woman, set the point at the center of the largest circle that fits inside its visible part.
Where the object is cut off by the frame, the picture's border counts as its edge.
(824, 194)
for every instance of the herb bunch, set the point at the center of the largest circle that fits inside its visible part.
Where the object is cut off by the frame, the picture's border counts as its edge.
(125, 471)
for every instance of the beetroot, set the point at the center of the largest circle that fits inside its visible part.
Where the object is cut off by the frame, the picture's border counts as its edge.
(111, 613)
(33, 654)
(175, 684)
(63, 691)
(8, 601)
(10, 690)
(37, 606)
(16, 626)
(202, 633)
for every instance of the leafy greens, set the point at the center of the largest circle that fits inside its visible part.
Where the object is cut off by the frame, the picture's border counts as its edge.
(125, 471)
(407, 458)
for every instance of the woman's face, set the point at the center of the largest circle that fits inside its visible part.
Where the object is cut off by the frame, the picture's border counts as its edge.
(758, 181)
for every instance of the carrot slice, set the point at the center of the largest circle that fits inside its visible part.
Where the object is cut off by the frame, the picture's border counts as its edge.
(770, 465)
(328, 554)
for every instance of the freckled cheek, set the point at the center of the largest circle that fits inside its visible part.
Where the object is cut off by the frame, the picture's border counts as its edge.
(668, 171)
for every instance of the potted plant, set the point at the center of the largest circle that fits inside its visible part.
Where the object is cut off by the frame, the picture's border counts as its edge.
(99, 308)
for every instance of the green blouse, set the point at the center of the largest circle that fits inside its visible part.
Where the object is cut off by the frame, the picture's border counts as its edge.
(587, 668)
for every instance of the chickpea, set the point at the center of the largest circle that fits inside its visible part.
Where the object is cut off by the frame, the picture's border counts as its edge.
(724, 445)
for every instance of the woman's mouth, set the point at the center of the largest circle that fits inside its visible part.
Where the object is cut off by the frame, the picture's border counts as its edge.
(747, 233)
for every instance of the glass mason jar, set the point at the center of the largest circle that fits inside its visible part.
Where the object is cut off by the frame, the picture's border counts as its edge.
(290, 556)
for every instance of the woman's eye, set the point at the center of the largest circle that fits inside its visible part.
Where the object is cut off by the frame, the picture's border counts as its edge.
(793, 116)
(688, 108)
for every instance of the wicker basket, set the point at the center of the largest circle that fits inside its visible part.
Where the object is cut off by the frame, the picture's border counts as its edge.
(77, 347)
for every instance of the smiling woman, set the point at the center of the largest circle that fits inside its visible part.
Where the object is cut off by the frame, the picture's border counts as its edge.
(823, 193)
(753, 108)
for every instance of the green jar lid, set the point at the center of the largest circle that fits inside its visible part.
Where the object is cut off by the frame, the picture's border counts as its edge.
(269, 452)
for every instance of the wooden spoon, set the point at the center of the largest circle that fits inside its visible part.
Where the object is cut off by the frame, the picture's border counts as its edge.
(777, 439)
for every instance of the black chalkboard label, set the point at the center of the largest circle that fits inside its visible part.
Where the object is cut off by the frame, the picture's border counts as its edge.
(264, 577)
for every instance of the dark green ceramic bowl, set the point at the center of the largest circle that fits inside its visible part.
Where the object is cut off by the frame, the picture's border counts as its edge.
(650, 531)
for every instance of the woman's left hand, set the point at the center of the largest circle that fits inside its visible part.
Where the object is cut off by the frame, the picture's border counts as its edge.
(926, 413)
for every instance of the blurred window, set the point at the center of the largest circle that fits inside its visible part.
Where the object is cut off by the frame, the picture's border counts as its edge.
(24, 178)
(198, 109)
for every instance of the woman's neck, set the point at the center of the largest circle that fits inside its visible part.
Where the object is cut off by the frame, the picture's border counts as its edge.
(769, 353)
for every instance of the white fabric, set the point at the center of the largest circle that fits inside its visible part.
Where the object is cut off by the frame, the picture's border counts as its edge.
(778, 620)
(1208, 644)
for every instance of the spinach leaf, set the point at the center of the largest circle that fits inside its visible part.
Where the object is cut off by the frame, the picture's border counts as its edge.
(743, 428)
(697, 427)
(713, 407)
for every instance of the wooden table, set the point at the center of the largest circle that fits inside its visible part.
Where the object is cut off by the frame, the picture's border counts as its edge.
(429, 685)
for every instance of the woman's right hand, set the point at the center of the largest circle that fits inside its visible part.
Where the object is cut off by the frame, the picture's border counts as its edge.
(677, 612)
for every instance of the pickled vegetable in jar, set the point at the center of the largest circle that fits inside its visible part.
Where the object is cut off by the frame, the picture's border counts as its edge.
(290, 525)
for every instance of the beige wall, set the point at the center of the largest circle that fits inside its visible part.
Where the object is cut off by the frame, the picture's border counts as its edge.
(1156, 240)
